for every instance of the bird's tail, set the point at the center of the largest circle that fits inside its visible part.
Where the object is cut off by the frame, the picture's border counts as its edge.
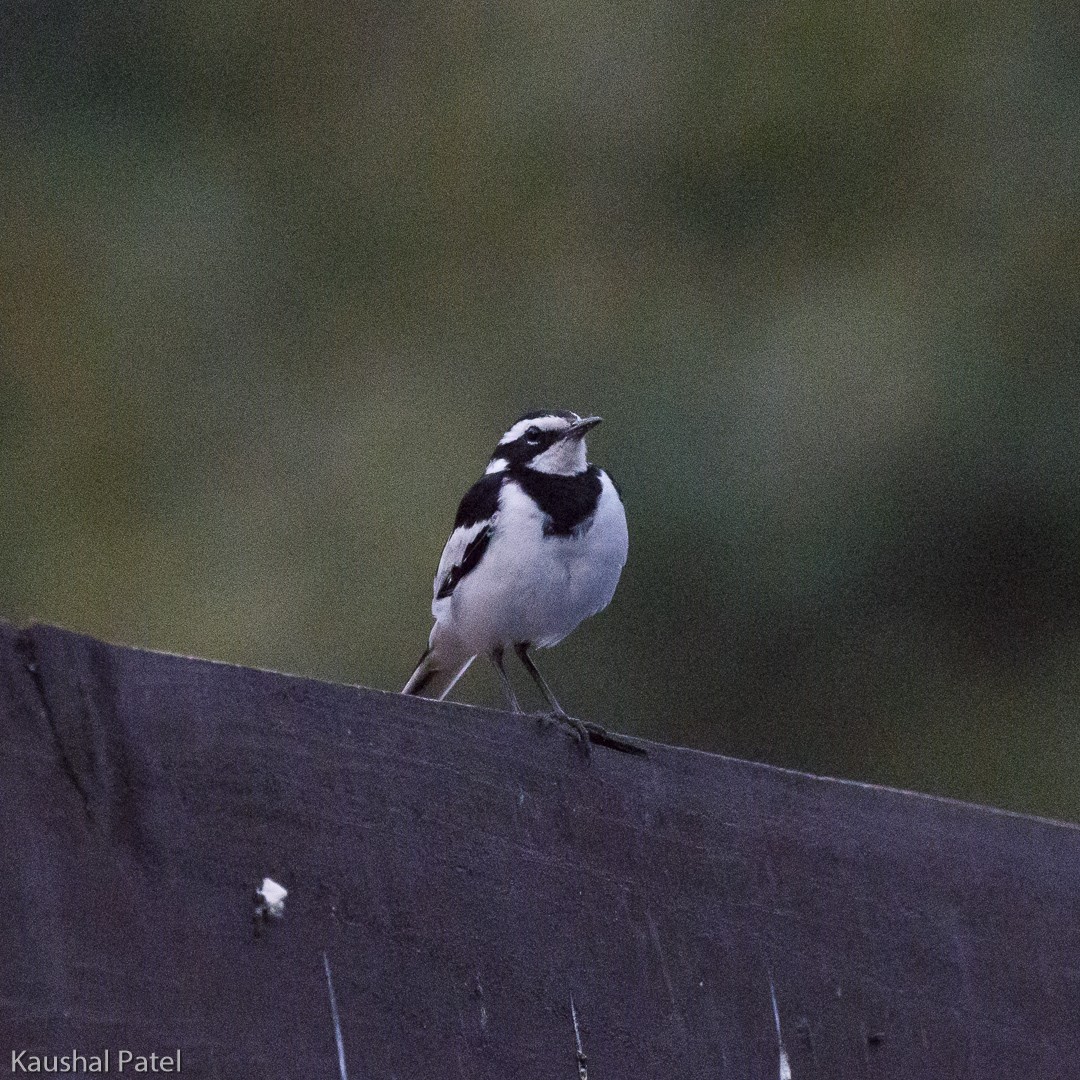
(436, 673)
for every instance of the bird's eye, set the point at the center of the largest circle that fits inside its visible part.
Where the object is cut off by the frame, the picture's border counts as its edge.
(532, 435)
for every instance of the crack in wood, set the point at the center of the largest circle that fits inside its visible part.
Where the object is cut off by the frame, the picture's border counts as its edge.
(24, 645)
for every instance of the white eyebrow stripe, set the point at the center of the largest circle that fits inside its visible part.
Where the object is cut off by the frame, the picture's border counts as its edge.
(544, 423)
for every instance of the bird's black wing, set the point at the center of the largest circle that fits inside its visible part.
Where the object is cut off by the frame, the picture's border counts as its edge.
(473, 526)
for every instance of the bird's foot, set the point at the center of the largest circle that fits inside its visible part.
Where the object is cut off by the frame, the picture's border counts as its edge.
(587, 732)
(578, 727)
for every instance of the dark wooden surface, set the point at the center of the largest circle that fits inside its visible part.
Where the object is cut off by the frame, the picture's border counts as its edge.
(465, 873)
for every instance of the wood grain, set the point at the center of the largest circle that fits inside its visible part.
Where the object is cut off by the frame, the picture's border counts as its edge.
(464, 873)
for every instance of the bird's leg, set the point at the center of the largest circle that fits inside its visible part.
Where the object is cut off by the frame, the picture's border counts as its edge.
(522, 649)
(511, 698)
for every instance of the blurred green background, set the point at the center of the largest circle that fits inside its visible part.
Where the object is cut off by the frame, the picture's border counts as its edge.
(275, 277)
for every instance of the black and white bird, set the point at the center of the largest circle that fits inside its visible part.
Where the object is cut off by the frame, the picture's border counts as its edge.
(538, 545)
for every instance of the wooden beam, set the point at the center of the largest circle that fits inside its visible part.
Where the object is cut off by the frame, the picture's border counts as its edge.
(473, 889)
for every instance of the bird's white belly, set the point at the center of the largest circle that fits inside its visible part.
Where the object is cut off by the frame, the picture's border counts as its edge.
(535, 588)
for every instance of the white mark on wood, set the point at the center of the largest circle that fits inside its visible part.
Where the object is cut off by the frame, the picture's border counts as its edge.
(582, 1061)
(271, 899)
(337, 1020)
(483, 1007)
(655, 935)
(785, 1065)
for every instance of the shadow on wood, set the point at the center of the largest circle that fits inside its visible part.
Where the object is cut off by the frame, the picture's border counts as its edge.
(457, 877)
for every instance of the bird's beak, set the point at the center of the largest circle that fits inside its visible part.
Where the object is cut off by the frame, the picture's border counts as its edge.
(579, 428)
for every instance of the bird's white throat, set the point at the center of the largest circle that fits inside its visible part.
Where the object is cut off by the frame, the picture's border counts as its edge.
(564, 458)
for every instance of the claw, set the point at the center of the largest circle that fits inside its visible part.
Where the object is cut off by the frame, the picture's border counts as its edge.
(586, 732)
(578, 728)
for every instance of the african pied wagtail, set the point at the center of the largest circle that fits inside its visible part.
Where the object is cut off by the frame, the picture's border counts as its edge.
(538, 545)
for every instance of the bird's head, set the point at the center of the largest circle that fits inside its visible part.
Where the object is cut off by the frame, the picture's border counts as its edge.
(548, 442)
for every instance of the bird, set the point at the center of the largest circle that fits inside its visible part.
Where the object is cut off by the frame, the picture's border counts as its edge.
(538, 545)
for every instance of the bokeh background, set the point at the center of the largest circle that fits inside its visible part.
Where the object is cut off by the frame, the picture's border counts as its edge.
(275, 277)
